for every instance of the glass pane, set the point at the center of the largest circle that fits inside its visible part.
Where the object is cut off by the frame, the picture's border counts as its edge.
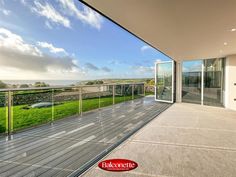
(66, 102)
(31, 108)
(3, 104)
(138, 90)
(191, 81)
(106, 98)
(149, 90)
(119, 93)
(91, 96)
(164, 81)
(128, 92)
(213, 82)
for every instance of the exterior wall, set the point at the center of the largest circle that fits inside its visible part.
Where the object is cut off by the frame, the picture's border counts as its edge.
(178, 82)
(230, 80)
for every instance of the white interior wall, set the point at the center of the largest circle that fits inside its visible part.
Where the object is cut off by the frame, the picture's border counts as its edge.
(230, 80)
(178, 81)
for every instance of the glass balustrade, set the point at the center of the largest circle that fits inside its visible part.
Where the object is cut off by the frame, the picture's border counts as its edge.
(31, 108)
(106, 98)
(37, 106)
(3, 112)
(66, 102)
(119, 94)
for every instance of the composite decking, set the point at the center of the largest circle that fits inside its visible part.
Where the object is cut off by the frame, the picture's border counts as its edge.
(69, 146)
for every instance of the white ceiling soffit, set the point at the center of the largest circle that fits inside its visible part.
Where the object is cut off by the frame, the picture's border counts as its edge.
(182, 29)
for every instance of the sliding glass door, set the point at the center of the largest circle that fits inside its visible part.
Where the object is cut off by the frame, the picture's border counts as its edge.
(213, 82)
(203, 81)
(165, 81)
(191, 81)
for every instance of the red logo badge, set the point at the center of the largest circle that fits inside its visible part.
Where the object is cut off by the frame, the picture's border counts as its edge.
(117, 165)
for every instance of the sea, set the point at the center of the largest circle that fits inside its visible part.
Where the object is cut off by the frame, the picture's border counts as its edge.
(50, 82)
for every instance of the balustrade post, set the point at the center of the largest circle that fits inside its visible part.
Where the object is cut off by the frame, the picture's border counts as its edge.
(113, 93)
(9, 114)
(132, 91)
(99, 96)
(52, 99)
(144, 90)
(80, 101)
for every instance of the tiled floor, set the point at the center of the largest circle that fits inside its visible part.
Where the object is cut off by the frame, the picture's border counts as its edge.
(187, 140)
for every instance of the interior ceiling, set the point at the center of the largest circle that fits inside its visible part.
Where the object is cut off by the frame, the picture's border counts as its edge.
(182, 29)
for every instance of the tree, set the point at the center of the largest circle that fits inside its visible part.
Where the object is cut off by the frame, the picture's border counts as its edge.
(94, 82)
(99, 82)
(151, 82)
(41, 84)
(3, 85)
(24, 86)
(89, 83)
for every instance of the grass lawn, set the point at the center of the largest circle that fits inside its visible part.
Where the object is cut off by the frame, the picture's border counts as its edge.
(149, 93)
(23, 118)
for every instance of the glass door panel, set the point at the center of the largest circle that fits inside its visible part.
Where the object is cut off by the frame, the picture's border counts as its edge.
(191, 81)
(165, 81)
(213, 82)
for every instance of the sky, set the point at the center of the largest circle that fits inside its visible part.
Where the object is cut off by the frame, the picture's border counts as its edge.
(66, 40)
(192, 66)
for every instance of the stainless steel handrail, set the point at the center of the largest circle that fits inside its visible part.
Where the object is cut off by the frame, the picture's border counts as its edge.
(62, 87)
(9, 92)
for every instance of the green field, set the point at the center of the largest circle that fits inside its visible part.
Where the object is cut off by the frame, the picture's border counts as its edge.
(23, 118)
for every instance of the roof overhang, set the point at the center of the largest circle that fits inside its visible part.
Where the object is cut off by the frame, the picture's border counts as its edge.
(182, 29)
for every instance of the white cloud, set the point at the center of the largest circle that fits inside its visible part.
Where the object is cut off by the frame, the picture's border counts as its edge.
(86, 15)
(15, 42)
(143, 69)
(15, 53)
(2, 2)
(51, 48)
(49, 12)
(193, 68)
(26, 62)
(5, 12)
(48, 25)
(158, 60)
(23, 2)
(145, 47)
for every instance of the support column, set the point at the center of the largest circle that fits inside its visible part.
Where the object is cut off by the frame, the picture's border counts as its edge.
(230, 82)
(202, 83)
(179, 81)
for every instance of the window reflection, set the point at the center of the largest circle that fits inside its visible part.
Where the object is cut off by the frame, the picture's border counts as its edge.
(191, 81)
(213, 82)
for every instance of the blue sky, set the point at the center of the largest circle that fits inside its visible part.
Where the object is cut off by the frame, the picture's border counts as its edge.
(63, 39)
(192, 66)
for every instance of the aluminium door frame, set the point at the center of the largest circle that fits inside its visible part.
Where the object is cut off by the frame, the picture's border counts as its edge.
(173, 80)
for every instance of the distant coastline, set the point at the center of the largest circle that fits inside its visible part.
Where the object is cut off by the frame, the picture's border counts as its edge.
(50, 82)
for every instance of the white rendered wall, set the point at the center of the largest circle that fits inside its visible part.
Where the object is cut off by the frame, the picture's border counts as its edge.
(230, 79)
(178, 81)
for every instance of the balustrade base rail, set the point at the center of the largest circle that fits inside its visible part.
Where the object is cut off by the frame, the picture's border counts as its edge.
(59, 102)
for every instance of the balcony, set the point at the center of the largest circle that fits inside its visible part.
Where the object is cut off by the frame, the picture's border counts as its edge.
(186, 140)
(63, 131)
